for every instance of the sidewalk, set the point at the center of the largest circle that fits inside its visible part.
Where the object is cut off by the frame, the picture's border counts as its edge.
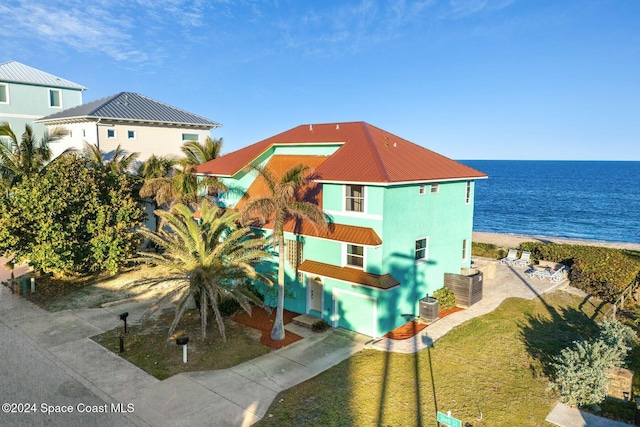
(232, 397)
(239, 396)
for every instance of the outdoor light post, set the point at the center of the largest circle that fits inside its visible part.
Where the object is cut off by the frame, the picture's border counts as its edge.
(123, 317)
(33, 284)
(183, 342)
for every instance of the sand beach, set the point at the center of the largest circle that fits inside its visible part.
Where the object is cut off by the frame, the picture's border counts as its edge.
(513, 241)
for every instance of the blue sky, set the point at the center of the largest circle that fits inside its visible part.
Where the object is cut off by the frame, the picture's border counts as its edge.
(470, 79)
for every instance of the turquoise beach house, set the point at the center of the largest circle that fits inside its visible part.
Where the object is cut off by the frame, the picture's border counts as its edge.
(401, 217)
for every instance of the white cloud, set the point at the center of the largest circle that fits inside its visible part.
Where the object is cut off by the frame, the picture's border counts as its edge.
(123, 30)
(463, 8)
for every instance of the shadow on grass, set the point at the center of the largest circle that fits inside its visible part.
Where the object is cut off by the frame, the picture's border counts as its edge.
(545, 336)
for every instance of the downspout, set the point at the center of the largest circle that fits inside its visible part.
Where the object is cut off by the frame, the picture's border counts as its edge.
(98, 133)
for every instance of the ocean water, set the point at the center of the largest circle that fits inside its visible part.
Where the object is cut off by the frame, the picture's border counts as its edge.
(589, 200)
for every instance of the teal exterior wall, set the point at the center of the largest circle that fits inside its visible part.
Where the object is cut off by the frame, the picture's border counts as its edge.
(445, 219)
(400, 215)
(30, 102)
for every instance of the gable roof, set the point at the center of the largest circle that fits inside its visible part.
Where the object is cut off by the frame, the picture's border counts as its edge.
(278, 165)
(130, 106)
(368, 154)
(13, 71)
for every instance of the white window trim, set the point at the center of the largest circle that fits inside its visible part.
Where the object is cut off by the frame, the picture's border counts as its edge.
(364, 200)
(422, 190)
(135, 134)
(49, 98)
(353, 214)
(187, 140)
(345, 256)
(467, 193)
(434, 186)
(426, 250)
(465, 250)
(6, 90)
(115, 133)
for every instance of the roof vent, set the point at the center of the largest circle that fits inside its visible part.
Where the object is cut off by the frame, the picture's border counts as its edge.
(310, 127)
(337, 127)
(395, 145)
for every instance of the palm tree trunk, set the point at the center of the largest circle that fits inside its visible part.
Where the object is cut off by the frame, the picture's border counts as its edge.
(277, 333)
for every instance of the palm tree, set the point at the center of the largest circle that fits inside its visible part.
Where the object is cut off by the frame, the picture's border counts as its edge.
(26, 156)
(157, 173)
(169, 180)
(198, 154)
(211, 258)
(285, 202)
(119, 162)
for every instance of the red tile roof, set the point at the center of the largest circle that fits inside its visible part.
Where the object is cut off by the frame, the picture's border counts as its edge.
(347, 274)
(368, 154)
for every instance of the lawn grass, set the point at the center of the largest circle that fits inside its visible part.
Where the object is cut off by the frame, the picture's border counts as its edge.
(490, 371)
(150, 349)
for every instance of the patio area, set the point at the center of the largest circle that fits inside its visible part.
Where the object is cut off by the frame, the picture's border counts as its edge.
(509, 282)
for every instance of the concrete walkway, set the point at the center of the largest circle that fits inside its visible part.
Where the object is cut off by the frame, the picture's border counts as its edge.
(238, 396)
(231, 397)
(509, 282)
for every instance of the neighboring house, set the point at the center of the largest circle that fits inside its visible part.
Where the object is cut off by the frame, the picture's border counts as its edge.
(27, 94)
(401, 215)
(137, 123)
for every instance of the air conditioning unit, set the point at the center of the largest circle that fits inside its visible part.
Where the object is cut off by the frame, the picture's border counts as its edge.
(429, 309)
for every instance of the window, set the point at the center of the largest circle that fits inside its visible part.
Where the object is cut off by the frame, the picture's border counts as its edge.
(423, 189)
(355, 256)
(190, 137)
(422, 252)
(4, 93)
(293, 252)
(84, 133)
(111, 133)
(70, 134)
(435, 187)
(354, 199)
(131, 134)
(55, 98)
(464, 250)
(467, 199)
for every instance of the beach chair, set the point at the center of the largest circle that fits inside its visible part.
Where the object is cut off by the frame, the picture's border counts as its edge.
(557, 275)
(511, 256)
(524, 260)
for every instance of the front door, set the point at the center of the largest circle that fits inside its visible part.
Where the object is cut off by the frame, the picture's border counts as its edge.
(315, 293)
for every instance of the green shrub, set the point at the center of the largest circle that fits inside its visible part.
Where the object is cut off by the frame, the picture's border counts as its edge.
(599, 271)
(228, 306)
(581, 371)
(621, 338)
(446, 298)
(319, 325)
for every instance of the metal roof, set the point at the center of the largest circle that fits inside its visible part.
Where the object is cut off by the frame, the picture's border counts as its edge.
(348, 274)
(367, 155)
(130, 106)
(16, 72)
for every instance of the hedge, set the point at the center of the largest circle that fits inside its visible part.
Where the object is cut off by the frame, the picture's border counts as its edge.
(599, 271)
